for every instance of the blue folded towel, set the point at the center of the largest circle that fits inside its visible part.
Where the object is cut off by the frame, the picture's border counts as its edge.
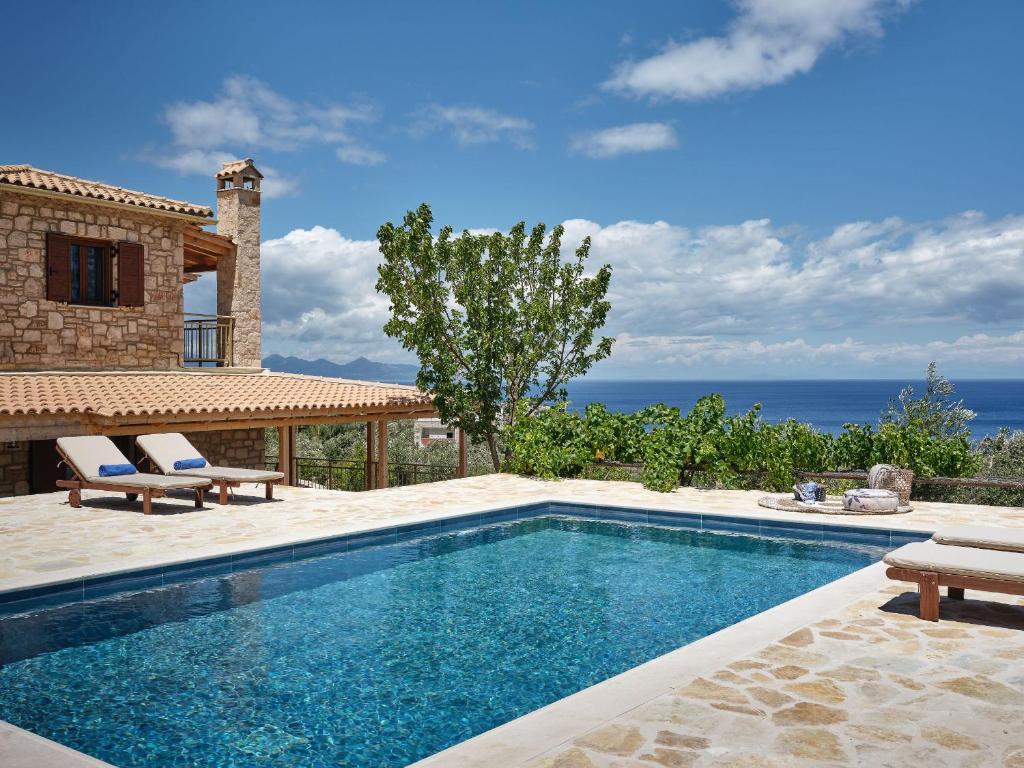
(112, 470)
(197, 463)
(807, 492)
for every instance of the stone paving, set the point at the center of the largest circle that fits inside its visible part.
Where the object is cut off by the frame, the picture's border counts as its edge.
(869, 685)
(42, 539)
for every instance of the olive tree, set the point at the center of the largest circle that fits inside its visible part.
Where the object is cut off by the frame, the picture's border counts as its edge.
(499, 322)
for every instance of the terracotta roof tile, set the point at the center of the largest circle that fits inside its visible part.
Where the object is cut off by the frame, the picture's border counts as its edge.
(36, 178)
(113, 395)
(230, 169)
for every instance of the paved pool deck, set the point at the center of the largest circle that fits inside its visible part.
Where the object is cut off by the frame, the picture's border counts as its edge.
(45, 540)
(845, 675)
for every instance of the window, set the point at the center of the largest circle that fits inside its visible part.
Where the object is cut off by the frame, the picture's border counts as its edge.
(90, 273)
(81, 271)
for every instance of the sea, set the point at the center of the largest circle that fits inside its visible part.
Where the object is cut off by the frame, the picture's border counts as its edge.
(826, 404)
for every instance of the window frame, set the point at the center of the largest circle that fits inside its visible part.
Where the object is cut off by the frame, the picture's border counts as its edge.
(107, 267)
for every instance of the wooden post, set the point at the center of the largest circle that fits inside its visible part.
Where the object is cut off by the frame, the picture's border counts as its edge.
(285, 444)
(929, 586)
(461, 472)
(382, 453)
(370, 466)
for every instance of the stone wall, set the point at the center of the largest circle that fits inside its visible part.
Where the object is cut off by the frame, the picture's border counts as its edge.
(231, 448)
(238, 275)
(36, 333)
(14, 469)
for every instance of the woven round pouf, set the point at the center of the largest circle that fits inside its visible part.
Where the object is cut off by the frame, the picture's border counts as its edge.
(873, 501)
(889, 477)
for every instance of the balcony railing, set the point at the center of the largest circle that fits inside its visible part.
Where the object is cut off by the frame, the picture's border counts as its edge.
(208, 340)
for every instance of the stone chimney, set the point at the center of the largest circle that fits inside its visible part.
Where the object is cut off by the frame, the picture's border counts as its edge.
(238, 277)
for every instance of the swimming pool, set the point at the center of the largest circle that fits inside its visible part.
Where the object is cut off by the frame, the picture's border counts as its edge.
(382, 655)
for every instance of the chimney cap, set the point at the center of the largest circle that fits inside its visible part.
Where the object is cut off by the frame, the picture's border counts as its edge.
(229, 170)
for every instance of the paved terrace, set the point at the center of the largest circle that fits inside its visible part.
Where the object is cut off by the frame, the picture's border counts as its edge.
(858, 680)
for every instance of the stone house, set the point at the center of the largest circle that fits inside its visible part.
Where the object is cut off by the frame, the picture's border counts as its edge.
(94, 337)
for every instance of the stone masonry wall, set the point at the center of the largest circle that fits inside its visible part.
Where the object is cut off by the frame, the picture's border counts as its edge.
(231, 448)
(36, 333)
(13, 469)
(238, 275)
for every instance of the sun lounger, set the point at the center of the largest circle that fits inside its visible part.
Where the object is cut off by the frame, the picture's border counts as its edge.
(88, 456)
(982, 537)
(170, 448)
(931, 565)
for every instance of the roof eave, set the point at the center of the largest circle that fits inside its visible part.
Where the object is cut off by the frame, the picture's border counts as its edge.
(54, 195)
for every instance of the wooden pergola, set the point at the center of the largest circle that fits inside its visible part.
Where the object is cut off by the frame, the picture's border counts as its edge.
(203, 249)
(47, 405)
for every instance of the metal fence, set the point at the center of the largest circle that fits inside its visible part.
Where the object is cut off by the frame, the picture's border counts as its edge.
(340, 475)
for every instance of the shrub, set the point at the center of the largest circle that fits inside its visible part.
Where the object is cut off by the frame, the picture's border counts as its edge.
(708, 448)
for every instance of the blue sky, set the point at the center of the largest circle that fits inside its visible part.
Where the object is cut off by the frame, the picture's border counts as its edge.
(837, 184)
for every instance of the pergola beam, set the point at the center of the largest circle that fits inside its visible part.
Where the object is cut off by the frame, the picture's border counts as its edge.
(215, 424)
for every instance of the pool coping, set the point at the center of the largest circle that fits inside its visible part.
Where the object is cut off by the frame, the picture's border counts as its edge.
(89, 583)
(561, 722)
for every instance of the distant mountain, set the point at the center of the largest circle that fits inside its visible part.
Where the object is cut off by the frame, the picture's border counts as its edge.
(360, 368)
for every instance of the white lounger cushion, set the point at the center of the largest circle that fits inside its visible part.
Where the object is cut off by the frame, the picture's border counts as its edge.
(145, 480)
(167, 448)
(234, 474)
(87, 453)
(958, 561)
(982, 537)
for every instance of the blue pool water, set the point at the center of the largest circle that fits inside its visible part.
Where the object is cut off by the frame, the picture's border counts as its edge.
(381, 656)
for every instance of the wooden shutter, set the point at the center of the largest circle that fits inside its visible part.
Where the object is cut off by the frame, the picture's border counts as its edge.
(130, 283)
(58, 267)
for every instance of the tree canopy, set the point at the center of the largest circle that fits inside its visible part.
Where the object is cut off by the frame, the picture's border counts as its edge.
(500, 322)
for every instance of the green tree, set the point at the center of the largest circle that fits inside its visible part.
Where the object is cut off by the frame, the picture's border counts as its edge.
(936, 412)
(499, 322)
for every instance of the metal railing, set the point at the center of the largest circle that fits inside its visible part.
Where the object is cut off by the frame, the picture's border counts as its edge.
(208, 340)
(340, 475)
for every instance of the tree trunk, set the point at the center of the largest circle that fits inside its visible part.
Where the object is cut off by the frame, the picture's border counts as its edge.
(492, 444)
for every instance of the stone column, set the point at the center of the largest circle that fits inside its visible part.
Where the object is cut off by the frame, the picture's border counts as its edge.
(238, 276)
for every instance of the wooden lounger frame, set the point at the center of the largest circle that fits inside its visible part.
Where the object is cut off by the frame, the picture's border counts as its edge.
(223, 484)
(75, 488)
(928, 583)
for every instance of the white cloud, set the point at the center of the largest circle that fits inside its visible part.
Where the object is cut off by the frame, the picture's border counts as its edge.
(198, 162)
(757, 279)
(201, 162)
(768, 42)
(277, 184)
(357, 155)
(844, 357)
(319, 298)
(248, 117)
(248, 113)
(625, 139)
(474, 125)
(885, 296)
